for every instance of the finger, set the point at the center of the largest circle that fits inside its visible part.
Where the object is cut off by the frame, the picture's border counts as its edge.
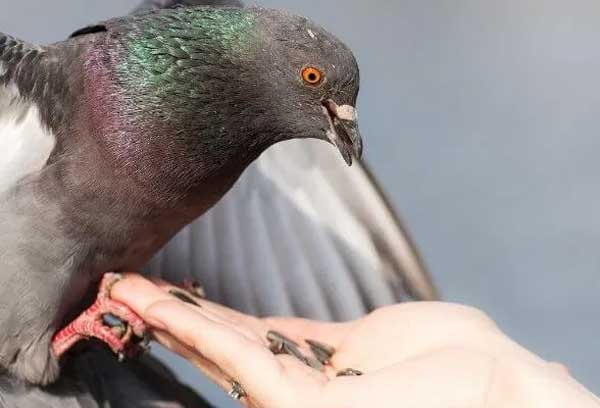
(144, 294)
(299, 328)
(140, 294)
(559, 367)
(238, 356)
(213, 372)
(137, 292)
(209, 369)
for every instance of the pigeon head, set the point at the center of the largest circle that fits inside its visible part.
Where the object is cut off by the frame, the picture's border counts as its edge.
(192, 90)
(311, 80)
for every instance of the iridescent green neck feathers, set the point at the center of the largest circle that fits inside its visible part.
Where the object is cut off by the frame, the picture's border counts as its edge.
(166, 54)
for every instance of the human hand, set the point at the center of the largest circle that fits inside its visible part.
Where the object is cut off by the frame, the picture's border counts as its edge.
(420, 355)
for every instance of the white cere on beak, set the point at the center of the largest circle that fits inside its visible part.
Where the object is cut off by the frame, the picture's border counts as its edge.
(312, 35)
(346, 112)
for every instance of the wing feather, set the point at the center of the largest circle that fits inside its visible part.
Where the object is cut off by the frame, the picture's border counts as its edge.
(300, 234)
(25, 141)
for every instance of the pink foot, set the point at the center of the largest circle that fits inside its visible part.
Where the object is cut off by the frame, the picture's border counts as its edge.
(90, 323)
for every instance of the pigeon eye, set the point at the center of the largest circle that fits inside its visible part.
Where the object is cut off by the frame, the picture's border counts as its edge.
(312, 76)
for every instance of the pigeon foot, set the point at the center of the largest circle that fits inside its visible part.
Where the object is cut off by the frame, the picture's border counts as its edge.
(109, 321)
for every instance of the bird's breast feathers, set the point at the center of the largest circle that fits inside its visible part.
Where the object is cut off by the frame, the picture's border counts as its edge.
(25, 143)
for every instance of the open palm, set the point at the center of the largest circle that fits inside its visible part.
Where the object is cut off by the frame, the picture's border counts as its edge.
(421, 355)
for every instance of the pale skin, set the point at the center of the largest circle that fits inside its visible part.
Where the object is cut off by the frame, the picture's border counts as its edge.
(419, 355)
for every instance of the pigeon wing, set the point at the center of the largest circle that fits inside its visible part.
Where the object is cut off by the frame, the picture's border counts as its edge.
(300, 234)
(30, 85)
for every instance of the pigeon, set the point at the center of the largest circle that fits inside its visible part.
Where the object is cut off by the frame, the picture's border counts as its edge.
(117, 138)
(394, 267)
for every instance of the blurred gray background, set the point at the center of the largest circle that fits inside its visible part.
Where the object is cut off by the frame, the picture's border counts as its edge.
(482, 120)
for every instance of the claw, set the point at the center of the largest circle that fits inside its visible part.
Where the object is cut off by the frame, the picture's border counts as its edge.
(144, 344)
(112, 321)
(106, 320)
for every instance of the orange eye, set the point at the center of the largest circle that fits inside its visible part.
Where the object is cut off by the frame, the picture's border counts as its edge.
(312, 76)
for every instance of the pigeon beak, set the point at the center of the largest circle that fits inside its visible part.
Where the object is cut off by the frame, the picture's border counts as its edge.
(343, 130)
